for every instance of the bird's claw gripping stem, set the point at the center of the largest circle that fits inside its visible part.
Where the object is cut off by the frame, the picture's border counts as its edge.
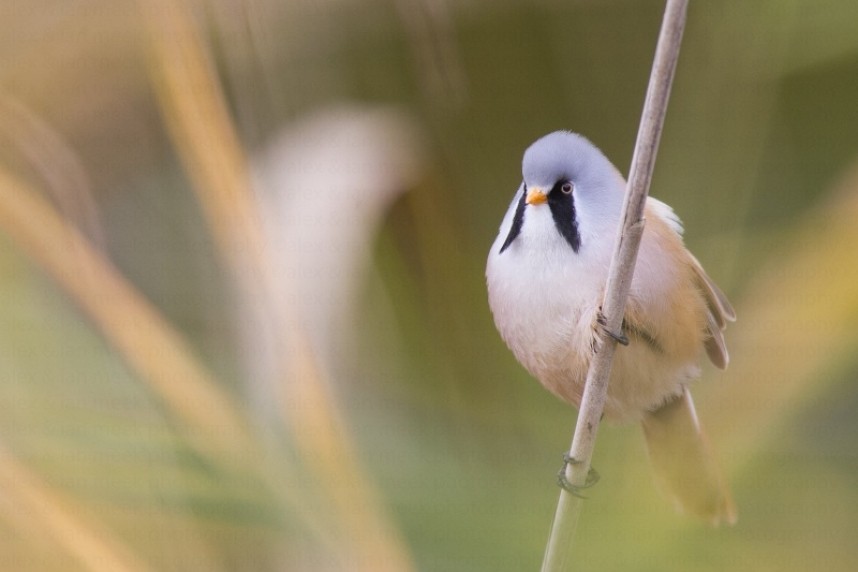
(575, 490)
(603, 322)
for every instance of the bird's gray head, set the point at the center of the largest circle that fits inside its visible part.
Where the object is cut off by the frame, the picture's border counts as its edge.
(564, 155)
(574, 178)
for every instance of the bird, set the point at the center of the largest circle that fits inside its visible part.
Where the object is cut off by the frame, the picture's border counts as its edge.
(546, 274)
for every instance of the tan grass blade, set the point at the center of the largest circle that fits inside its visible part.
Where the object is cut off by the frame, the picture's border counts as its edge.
(796, 320)
(56, 163)
(94, 547)
(202, 131)
(127, 320)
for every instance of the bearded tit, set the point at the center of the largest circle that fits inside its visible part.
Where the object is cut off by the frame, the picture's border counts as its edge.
(546, 276)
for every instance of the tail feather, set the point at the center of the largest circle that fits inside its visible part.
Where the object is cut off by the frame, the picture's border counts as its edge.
(683, 462)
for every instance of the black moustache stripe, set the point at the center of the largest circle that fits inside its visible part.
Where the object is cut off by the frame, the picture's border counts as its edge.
(563, 212)
(517, 221)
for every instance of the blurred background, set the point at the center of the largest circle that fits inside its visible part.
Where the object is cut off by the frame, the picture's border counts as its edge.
(244, 323)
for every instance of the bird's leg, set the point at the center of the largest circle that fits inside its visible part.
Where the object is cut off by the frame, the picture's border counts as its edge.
(603, 322)
(575, 490)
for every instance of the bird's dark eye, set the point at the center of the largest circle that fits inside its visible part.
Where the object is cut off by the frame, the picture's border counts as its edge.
(566, 188)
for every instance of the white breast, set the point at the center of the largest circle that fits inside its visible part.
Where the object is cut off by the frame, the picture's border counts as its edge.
(544, 297)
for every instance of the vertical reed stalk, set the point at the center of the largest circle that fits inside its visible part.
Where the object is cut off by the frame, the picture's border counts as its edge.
(559, 553)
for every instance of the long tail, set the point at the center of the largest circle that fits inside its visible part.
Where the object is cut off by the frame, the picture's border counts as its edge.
(683, 463)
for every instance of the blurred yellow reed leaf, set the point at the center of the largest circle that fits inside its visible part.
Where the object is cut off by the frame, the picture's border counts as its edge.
(202, 131)
(127, 320)
(27, 497)
(796, 322)
(199, 123)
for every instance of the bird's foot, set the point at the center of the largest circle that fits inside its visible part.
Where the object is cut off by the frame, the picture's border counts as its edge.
(603, 323)
(575, 490)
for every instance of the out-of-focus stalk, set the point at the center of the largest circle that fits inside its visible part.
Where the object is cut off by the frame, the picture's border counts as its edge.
(94, 548)
(127, 320)
(197, 118)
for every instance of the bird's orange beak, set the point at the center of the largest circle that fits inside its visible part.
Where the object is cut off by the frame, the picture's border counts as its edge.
(536, 196)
